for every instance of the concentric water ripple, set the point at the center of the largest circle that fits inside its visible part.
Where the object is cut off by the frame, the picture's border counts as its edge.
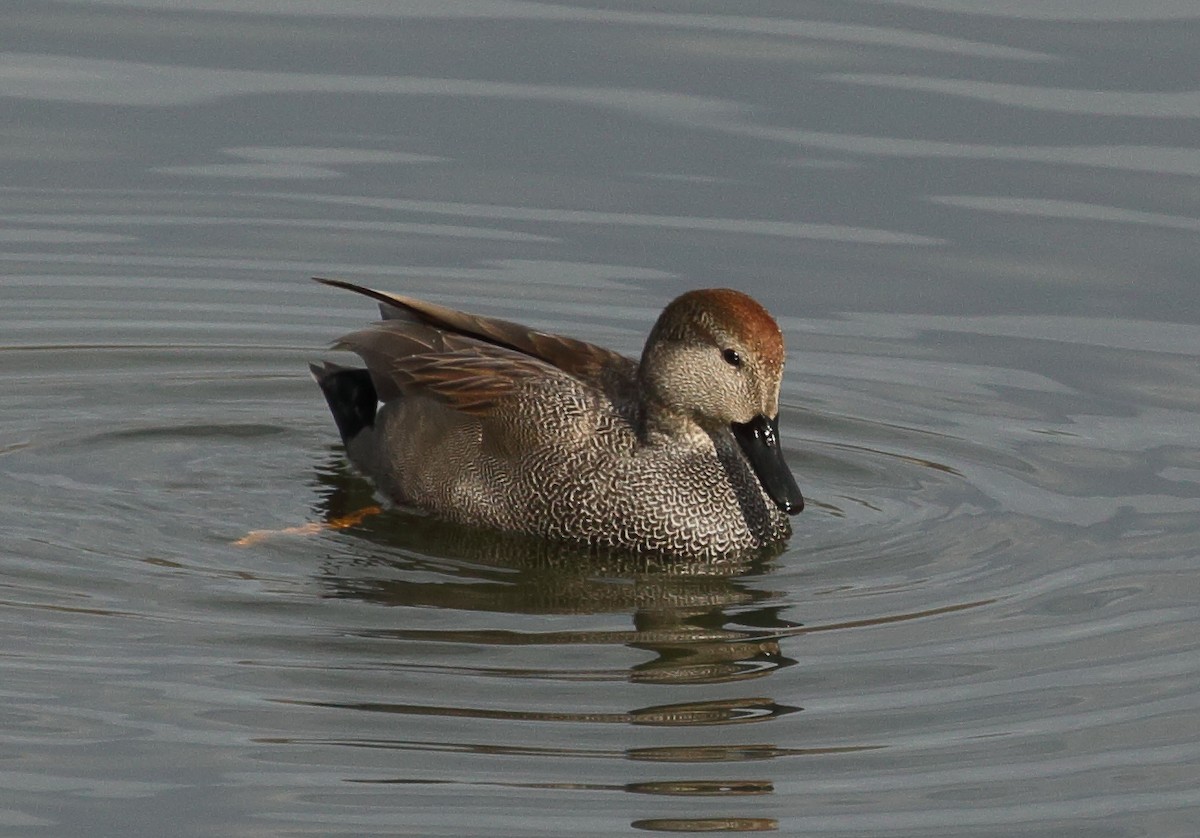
(925, 615)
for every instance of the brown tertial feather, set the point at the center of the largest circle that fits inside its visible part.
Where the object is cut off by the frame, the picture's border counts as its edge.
(592, 364)
(406, 358)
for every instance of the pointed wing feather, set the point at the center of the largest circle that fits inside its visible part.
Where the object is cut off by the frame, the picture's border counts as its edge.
(413, 358)
(592, 364)
(473, 381)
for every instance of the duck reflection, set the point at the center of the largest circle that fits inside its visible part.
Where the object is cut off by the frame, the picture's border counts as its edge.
(704, 622)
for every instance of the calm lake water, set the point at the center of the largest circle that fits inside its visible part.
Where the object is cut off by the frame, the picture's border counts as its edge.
(977, 222)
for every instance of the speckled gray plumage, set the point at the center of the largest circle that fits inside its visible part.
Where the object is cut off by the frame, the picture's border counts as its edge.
(490, 424)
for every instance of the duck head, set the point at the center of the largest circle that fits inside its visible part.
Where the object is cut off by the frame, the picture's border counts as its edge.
(716, 357)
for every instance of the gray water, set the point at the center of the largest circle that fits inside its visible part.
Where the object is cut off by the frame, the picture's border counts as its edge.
(977, 223)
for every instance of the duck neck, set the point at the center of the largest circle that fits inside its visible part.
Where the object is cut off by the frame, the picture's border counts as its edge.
(657, 422)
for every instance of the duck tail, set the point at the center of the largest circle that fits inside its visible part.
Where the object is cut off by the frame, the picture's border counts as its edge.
(351, 397)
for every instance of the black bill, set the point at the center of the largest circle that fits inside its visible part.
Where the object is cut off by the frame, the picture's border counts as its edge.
(759, 439)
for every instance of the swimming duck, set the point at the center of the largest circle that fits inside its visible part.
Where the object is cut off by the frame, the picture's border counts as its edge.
(488, 423)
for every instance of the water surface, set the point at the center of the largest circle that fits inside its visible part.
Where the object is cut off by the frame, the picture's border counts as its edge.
(977, 224)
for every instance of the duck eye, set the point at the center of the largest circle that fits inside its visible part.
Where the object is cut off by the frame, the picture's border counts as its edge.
(732, 357)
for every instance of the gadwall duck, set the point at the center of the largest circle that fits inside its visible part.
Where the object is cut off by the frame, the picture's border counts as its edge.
(489, 423)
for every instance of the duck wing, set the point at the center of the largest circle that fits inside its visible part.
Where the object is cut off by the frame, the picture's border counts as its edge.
(408, 358)
(611, 372)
